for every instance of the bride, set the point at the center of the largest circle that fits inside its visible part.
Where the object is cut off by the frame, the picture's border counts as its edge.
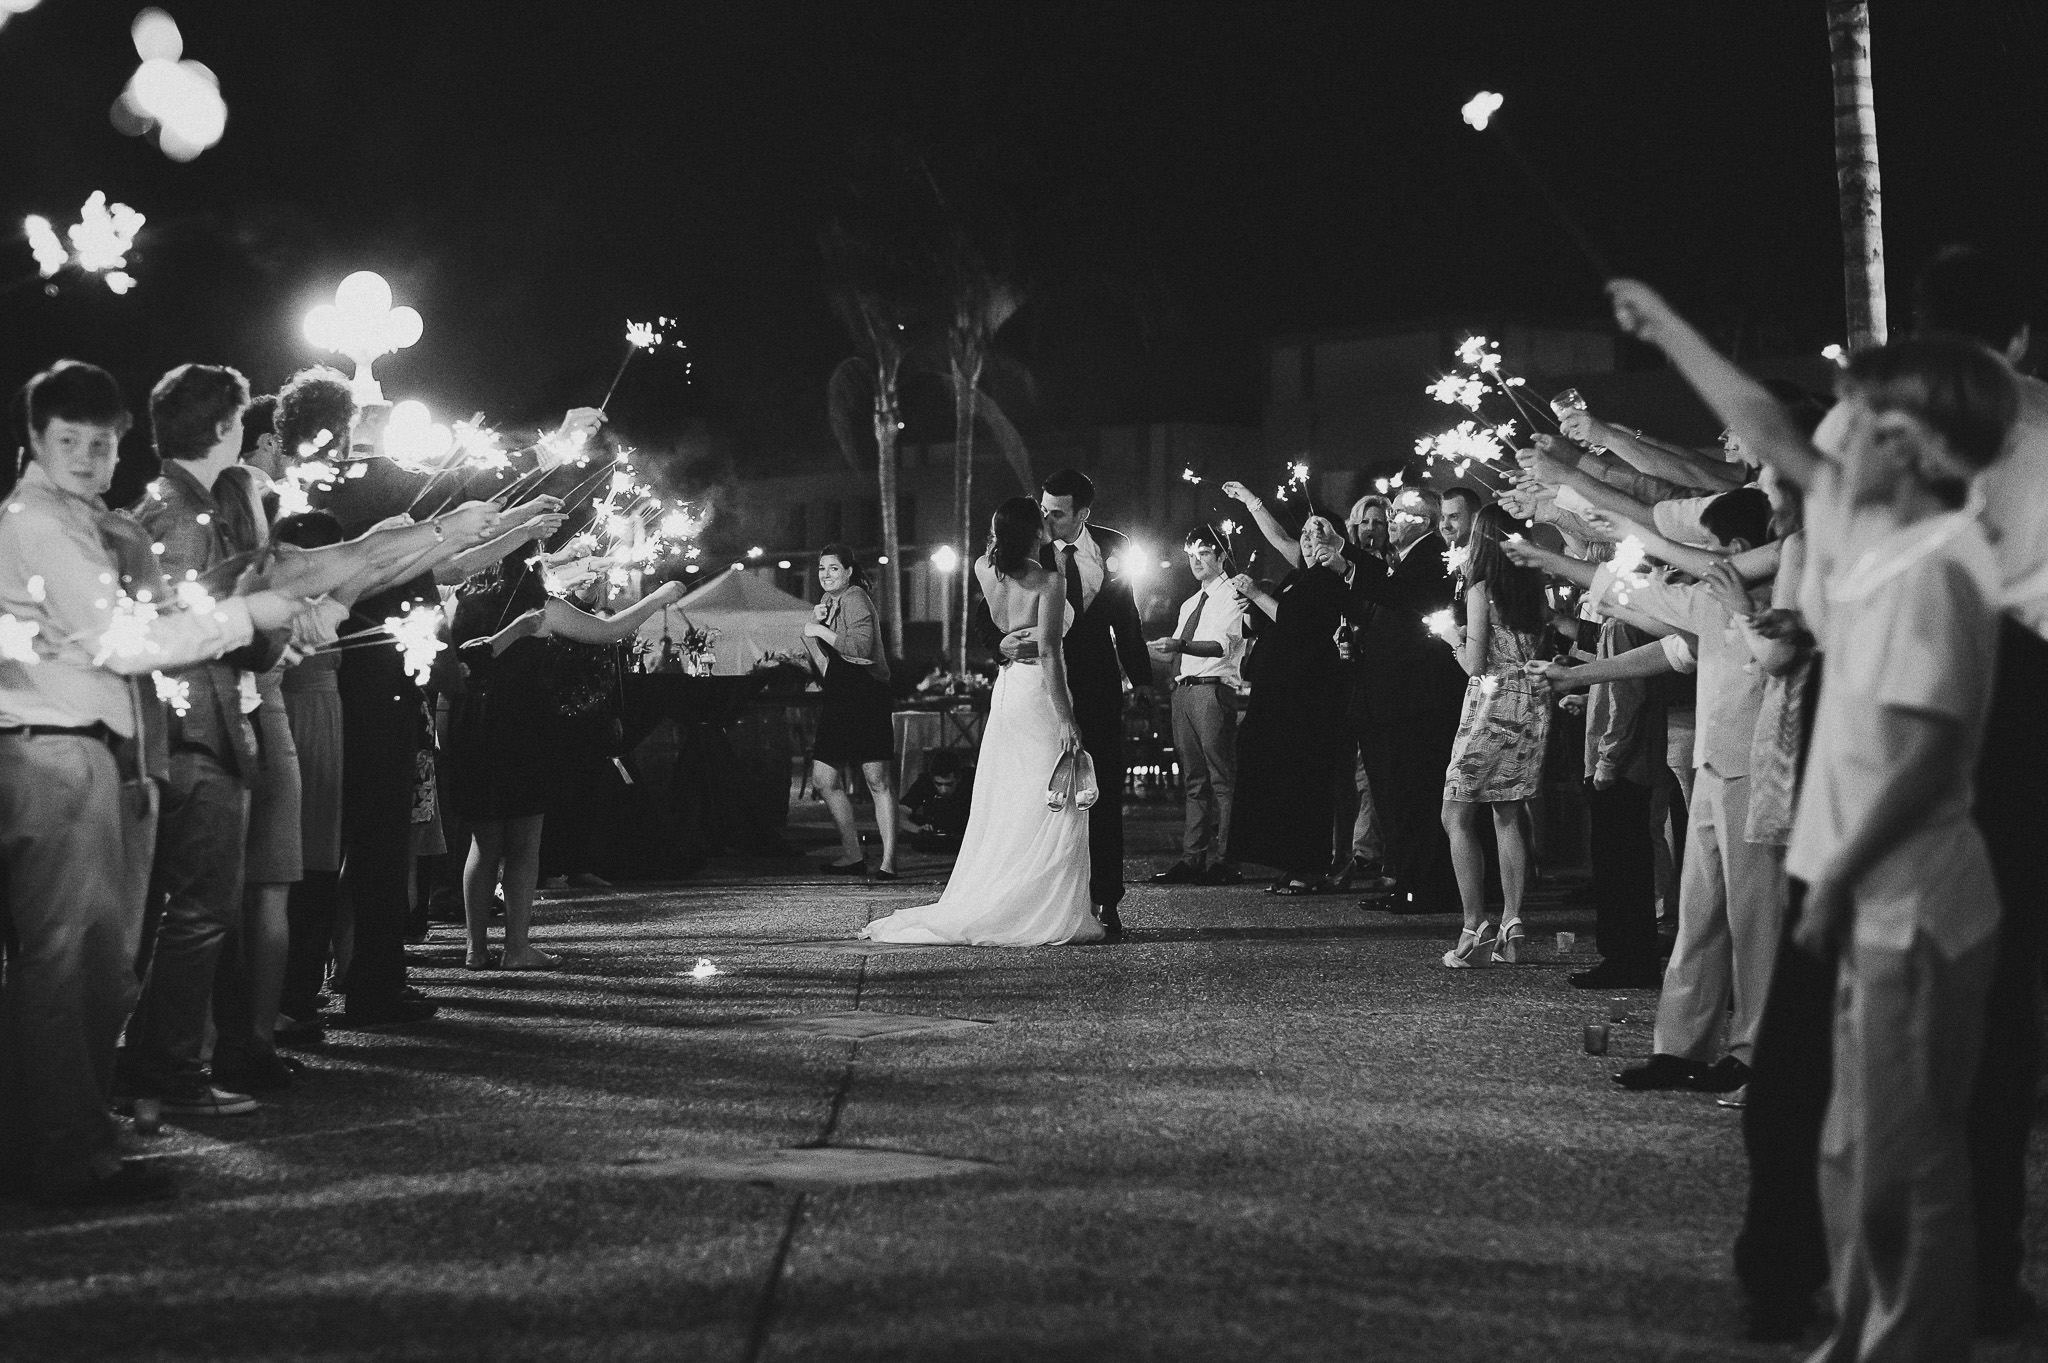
(1022, 876)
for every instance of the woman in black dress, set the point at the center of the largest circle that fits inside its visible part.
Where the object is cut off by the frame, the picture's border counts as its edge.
(855, 726)
(502, 738)
(1289, 751)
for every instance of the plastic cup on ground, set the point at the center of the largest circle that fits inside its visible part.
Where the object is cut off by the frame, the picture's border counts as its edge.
(1566, 943)
(1596, 1038)
(1617, 1010)
(149, 1116)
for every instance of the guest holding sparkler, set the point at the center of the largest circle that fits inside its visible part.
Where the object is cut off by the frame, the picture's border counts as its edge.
(1497, 756)
(1287, 767)
(82, 743)
(854, 726)
(504, 728)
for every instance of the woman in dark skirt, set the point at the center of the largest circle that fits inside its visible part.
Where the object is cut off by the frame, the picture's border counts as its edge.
(502, 737)
(1288, 753)
(855, 727)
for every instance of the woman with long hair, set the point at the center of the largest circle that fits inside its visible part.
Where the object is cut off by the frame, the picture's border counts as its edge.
(855, 727)
(1022, 875)
(1497, 757)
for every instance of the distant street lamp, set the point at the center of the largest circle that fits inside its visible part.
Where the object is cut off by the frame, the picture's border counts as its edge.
(946, 558)
(945, 562)
(361, 324)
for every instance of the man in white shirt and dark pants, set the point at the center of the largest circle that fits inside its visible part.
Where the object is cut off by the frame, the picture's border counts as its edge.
(1208, 644)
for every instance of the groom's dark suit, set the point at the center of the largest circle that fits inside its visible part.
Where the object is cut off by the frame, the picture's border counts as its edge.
(1104, 645)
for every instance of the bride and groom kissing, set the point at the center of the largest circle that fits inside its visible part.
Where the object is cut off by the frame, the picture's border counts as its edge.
(1059, 612)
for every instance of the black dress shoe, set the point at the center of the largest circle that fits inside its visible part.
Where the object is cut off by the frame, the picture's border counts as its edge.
(1662, 1071)
(392, 1012)
(1180, 873)
(1724, 1076)
(1112, 924)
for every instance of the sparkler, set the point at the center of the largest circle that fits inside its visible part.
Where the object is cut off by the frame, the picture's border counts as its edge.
(127, 633)
(639, 336)
(175, 692)
(100, 242)
(1442, 626)
(17, 641)
(418, 636)
(1477, 114)
(1630, 570)
(1188, 475)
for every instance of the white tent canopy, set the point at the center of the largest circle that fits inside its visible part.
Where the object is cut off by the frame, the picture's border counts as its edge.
(752, 615)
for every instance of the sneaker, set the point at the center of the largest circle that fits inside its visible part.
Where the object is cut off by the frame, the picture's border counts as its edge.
(135, 1181)
(208, 1101)
(1662, 1072)
(1180, 873)
(258, 1073)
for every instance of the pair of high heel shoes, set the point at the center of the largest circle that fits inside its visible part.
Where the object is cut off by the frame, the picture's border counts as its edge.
(1073, 782)
(1486, 945)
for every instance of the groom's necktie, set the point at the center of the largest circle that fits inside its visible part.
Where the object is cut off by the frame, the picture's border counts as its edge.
(1187, 631)
(1073, 578)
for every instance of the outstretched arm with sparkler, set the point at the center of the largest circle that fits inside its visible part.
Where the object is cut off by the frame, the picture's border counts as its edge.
(1650, 660)
(316, 572)
(1284, 544)
(582, 627)
(1647, 455)
(531, 522)
(1747, 407)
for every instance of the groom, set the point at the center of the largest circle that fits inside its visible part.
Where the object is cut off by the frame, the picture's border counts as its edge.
(1104, 645)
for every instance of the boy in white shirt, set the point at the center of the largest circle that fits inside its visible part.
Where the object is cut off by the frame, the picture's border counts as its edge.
(1903, 594)
(1207, 650)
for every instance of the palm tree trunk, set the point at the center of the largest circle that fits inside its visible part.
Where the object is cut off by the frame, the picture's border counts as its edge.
(1856, 171)
(965, 387)
(888, 423)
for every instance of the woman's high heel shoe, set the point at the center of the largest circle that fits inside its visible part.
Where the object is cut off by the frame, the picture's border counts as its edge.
(1508, 947)
(1474, 949)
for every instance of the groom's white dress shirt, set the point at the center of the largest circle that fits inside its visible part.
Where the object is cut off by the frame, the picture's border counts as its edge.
(1088, 558)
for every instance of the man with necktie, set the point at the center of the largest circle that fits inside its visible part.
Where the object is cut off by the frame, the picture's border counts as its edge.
(1207, 651)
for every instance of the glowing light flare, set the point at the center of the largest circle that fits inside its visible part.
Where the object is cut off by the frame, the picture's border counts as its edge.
(1630, 567)
(17, 640)
(180, 99)
(1458, 390)
(361, 324)
(418, 636)
(1297, 473)
(414, 440)
(193, 597)
(1442, 626)
(946, 558)
(1479, 110)
(480, 447)
(756, 552)
(703, 970)
(1190, 476)
(1833, 353)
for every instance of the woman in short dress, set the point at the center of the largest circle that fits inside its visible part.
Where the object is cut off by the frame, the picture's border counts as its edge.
(502, 735)
(1497, 757)
(855, 727)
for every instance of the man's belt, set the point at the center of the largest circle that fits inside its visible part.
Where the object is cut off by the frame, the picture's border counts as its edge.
(1199, 681)
(99, 733)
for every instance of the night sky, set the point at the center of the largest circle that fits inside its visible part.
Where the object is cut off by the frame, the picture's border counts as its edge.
(1171, 183)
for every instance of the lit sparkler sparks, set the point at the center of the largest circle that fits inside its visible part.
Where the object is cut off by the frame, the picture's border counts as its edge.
(1479, 110)
(639, 336)
(17, 640)
(100, 242)
(418, 636)
(1188, 475)
(703, 970)
(1441, 625)
(1630, 567)
(175, 692)
(128, 631)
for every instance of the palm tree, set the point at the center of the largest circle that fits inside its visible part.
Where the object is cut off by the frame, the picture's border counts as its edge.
(1856, 171)
(880, 322)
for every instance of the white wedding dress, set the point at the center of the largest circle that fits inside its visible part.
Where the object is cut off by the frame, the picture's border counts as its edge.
(1022, 876)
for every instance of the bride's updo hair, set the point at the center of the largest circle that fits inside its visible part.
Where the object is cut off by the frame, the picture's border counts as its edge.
(1013, 536)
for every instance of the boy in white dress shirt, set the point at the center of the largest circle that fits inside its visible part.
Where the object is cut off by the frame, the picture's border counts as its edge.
(1207, 648)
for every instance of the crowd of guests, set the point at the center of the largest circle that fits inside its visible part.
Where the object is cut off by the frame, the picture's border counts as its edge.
(1808, 666)
(220, 766)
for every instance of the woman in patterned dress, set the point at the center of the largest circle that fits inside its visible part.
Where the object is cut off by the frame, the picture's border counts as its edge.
(1497, 758)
